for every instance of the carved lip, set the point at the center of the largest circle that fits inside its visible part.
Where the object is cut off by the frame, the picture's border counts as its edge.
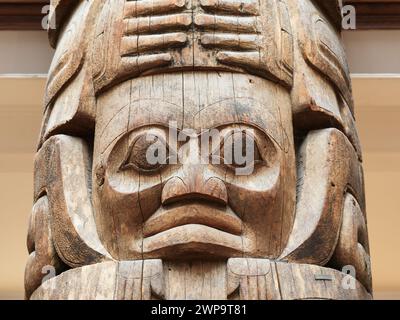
(192, 239)
(193, 213)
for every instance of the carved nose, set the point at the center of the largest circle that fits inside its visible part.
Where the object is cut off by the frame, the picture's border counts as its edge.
(177, 189)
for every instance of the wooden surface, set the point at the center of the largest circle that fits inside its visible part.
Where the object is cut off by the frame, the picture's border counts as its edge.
(128, 76)
(26, 14)
(238, 279)
(21, 116)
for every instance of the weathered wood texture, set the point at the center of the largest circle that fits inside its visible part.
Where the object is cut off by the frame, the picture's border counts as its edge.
(190, 83)
(244, 279)
(378, 14)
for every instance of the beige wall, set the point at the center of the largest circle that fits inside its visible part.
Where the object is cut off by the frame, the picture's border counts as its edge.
(24, 52)
(378, 116)
(373, 51)
(382, 191)
(20, 117)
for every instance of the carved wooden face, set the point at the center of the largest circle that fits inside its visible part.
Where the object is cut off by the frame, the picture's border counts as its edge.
(198, 199)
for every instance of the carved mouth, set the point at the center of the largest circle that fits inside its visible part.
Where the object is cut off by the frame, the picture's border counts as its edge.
(192, 240)
(223, 219)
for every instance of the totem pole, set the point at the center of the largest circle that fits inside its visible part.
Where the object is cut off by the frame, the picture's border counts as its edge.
(269, 76)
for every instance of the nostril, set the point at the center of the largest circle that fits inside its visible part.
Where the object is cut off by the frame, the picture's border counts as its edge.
(173, 188)
(212, 191)
(216, 189)
(194, 197)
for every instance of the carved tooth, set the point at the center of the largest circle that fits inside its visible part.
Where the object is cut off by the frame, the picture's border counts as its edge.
(226, 23)
(240, 59)
(157, 24)
(138, 44)
(137, 64)
(152, 7)
(233, 6)
(230, 41)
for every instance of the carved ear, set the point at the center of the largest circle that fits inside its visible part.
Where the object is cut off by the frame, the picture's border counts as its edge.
(70, 71)
(59, 13)
(43, 257)
(332, 8)
(321, 95)
(328, 168)
(353, 248)
(71, 47)
(62, 168)
(321, 47)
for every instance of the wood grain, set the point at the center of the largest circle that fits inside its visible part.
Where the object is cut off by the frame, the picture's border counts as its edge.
(198, 149)
(26, 14)
(246, 279)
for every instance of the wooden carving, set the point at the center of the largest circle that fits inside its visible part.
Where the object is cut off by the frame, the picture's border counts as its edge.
(188, 83)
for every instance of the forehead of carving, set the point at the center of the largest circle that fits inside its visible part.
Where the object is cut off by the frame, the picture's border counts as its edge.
(192, 100)
(138, 114)
(155, 112)
(246, 111)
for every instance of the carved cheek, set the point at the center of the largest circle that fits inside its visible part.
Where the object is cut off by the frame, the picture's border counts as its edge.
(119, 195)
(255, 193)
(135, 195)
(122, 182)
(150, 191)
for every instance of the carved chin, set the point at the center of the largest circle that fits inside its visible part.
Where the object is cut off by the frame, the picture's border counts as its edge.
(193, 240)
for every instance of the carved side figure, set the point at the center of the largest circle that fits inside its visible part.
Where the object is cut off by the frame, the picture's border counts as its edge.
(191, 82)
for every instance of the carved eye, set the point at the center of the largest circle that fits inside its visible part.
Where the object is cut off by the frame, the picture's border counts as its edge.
(240, 149)
(148, 153)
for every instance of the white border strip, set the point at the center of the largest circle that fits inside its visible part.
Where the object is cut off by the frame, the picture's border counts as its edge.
(375, 75)
(22, 75)
(353, 75)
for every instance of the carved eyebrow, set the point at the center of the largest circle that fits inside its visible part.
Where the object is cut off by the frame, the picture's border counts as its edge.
(200, 132)
(151, 125)
(254, 126)
(280, 144)
(234, 124)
